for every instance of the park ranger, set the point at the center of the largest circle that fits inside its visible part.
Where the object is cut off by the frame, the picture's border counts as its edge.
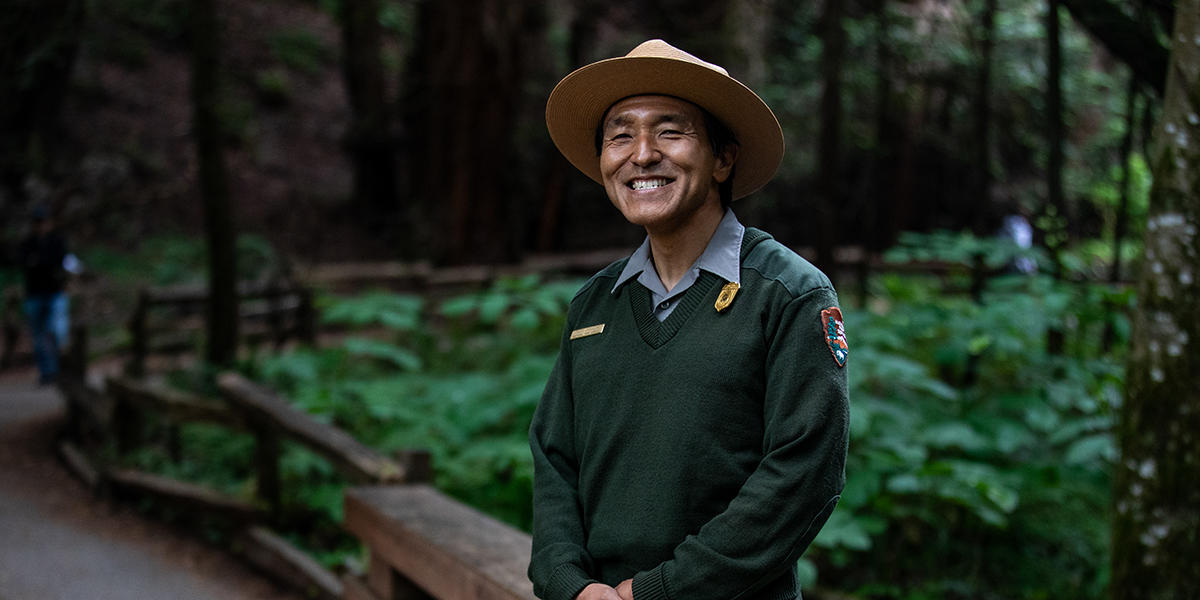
(691, 440)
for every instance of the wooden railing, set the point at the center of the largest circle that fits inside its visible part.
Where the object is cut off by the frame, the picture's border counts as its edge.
(425, 545)
(421, 543)
(116, 415)
(170, 321)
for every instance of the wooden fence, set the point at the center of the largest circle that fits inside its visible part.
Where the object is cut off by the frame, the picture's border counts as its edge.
(421, 543)
(170, 321)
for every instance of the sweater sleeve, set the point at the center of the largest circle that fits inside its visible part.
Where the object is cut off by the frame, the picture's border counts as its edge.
(559, 566)
(791, 493)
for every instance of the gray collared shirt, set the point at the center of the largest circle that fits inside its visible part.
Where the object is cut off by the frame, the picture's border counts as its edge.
(722, 257)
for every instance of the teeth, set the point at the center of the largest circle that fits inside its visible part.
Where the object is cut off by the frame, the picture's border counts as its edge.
(648, 184)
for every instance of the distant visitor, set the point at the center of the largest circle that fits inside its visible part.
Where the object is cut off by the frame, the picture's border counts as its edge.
(45, 262)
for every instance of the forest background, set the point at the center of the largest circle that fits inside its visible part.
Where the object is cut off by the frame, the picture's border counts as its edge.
(985, 396)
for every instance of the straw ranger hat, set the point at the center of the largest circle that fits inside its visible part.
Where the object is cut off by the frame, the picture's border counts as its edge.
(580, 100)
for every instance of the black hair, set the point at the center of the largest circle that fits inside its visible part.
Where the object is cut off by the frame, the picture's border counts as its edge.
(720, 137)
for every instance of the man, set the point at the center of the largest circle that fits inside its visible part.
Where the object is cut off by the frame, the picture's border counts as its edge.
(691, 440)
(42, 255)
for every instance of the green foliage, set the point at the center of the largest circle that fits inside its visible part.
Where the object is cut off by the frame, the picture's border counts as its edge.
(993, 485)
(460, 378)
(301, 50)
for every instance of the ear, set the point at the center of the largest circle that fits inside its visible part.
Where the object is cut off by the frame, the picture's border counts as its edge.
(725, 161)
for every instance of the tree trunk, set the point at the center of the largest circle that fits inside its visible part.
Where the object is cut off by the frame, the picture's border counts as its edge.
(369, 138)
(1157, 517)
(1130, 38)
(582, 32)
(1055, 197)
(465, 80)
(829, 148)
(1120, 220)
(222, 312)
(983, 119)
(1054, 114)
(39, 40)
(878, 206)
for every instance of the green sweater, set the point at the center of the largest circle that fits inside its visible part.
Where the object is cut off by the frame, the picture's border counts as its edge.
(699, 455)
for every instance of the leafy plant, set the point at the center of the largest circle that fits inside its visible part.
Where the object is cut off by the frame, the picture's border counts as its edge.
(953, 487)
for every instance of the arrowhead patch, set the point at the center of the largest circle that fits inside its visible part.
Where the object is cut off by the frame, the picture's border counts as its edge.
(835, 334)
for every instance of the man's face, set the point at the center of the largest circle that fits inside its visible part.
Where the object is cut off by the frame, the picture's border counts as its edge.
(657, 163)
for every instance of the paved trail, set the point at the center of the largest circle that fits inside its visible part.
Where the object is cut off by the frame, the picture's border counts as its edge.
(59, 543)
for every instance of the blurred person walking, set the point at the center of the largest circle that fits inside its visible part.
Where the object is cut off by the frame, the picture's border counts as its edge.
(45, 261)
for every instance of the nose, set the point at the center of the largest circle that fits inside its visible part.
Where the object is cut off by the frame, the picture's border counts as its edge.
(645, 151)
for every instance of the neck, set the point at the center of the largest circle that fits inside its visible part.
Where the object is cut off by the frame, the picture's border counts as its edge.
(675, 251)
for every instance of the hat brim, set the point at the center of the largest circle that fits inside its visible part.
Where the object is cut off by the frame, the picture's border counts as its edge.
(580, 100)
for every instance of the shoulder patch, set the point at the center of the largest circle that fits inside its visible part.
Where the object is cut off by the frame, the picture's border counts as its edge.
(835, 334)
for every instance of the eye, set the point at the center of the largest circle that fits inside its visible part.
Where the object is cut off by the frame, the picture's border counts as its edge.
(671, 133)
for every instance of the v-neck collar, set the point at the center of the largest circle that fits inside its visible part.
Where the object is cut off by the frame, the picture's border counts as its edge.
(656, 333)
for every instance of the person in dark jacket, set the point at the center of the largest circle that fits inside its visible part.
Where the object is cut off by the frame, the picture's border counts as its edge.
(691, 440)
(42, 254)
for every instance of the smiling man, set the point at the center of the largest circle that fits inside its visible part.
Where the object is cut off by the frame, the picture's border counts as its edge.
(691, 440)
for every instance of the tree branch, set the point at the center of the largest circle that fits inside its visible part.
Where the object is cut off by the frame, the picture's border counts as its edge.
(1130, 40)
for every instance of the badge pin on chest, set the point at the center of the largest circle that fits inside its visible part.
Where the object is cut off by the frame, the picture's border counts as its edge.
(726, 296)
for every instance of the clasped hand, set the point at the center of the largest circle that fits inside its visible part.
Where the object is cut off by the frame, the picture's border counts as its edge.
(599, 591)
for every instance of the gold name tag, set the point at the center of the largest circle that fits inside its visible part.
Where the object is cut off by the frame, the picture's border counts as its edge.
(586, 331)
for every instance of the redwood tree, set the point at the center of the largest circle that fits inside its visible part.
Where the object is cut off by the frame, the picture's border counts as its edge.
(829, 146)
(1156, 528)
(462, 101)
(369, 137)
(222, 334)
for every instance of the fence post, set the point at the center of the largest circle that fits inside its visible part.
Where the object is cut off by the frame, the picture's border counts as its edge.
(274, 297)
(138, 344)
(266, 458)
(418, 465)
(10, 321)
(77, 353)
(306, 316)
(127, 424)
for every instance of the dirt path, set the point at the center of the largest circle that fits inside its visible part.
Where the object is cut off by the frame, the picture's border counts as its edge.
(57, 542)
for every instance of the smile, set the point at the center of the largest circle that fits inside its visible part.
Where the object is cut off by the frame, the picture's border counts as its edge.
(648, 184)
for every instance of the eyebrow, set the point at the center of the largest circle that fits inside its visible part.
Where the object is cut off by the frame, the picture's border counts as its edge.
(625, 120)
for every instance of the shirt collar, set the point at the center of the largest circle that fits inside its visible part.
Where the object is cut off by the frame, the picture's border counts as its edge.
(721, 257)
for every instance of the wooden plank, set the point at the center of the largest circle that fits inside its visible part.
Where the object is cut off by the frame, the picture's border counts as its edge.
(387, 583)
(198, 294)
(182, 493)
(79, 464)
(175, 405)
(354, 588)
(288, 564)
(89, 409)
(355, 460)
(267, 450)
(449, 549)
